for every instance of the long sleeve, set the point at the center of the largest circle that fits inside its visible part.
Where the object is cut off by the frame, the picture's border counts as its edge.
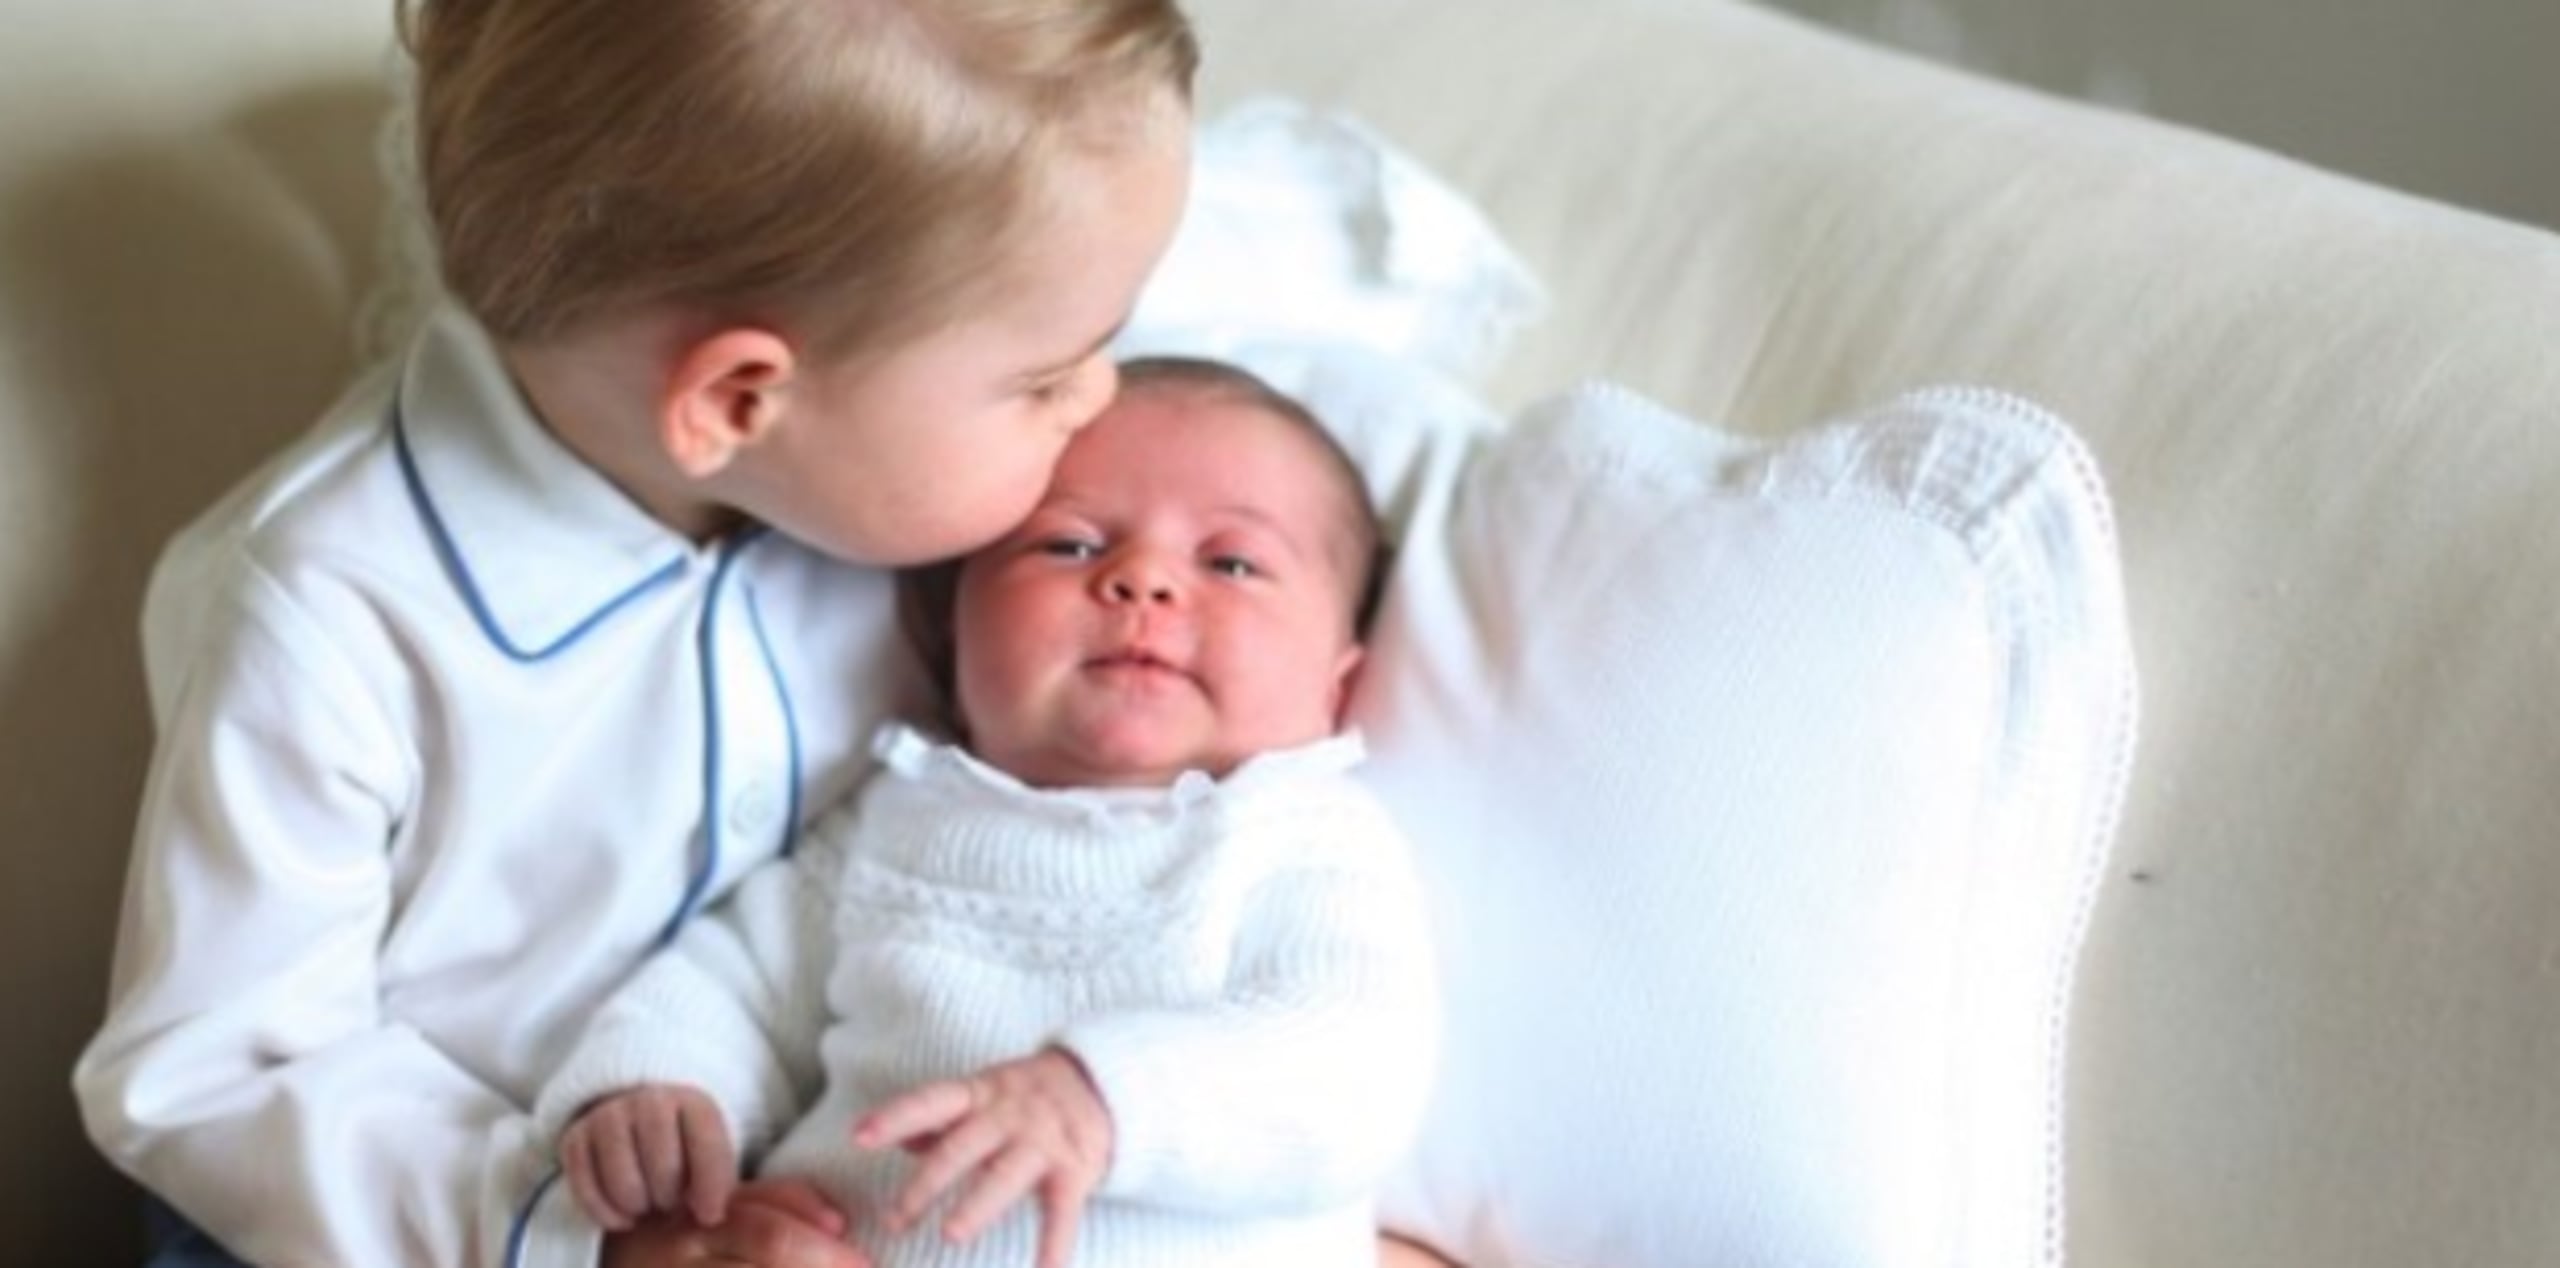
(1298, 1090)
(734, 1006)
(246, 1070)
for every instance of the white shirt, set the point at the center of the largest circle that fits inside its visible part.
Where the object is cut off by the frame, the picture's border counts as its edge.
(1242, 965)
(450, 732)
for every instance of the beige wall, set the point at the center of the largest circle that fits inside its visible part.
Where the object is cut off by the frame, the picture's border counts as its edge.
(2454, 101)
(187, 219)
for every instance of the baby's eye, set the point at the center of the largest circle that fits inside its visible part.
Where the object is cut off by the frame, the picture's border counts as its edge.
(1234, 566)
(1075, 548)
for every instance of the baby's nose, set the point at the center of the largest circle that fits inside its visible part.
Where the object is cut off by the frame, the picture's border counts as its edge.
(1138, 580)
(1129, 590)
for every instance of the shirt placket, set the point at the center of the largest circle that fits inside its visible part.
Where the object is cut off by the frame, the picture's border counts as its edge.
(750, 759)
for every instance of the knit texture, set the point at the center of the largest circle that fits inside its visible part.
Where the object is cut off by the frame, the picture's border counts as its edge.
(1240, 964)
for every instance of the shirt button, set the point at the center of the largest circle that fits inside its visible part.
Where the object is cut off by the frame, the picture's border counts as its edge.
(757, 808)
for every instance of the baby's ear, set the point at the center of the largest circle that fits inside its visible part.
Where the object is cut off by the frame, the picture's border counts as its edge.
(723, 394)
(1346, 675)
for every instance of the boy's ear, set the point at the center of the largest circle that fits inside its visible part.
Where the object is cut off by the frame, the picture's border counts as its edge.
(723, 394)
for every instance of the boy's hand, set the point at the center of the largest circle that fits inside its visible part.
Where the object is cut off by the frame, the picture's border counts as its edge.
(1037, 1123)
(771, 1224)
(656, 1149)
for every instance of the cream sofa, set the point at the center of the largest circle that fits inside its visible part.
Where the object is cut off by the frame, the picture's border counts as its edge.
(2318, 1014)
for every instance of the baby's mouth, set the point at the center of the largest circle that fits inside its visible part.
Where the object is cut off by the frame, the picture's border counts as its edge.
(1135, 660)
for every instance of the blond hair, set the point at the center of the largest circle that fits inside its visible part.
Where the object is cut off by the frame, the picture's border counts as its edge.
(845, 170)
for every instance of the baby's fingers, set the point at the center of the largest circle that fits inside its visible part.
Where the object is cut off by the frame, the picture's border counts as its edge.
(579, 1160)
(960, 1151)
(657, 1147)
(710, 1161)
(915, 1114)
(1061, 1215)
(1000, 1184)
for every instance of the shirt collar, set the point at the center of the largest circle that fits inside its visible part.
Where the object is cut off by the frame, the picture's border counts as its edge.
(913, 754)
(539, 544)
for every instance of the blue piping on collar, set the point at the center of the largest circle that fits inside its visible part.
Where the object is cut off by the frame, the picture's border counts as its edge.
(459, 571)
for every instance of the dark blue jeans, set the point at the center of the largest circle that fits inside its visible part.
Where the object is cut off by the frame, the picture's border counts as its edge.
(175, 1243)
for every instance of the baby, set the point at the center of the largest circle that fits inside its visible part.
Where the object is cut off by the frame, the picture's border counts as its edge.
(1136, 946)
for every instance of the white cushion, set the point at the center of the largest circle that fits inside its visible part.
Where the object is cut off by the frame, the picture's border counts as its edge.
(1761, 788)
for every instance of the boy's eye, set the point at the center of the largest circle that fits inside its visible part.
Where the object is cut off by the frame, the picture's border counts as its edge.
(1075, 548)
(1234, 566)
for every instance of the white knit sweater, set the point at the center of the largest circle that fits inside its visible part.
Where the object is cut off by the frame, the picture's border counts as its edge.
(1241, 964)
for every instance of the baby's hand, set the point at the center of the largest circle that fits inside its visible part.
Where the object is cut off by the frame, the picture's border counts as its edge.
(1037, 1123)
(658, 1148)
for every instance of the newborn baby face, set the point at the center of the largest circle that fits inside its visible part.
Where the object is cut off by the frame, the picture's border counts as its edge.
(1180, 599)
